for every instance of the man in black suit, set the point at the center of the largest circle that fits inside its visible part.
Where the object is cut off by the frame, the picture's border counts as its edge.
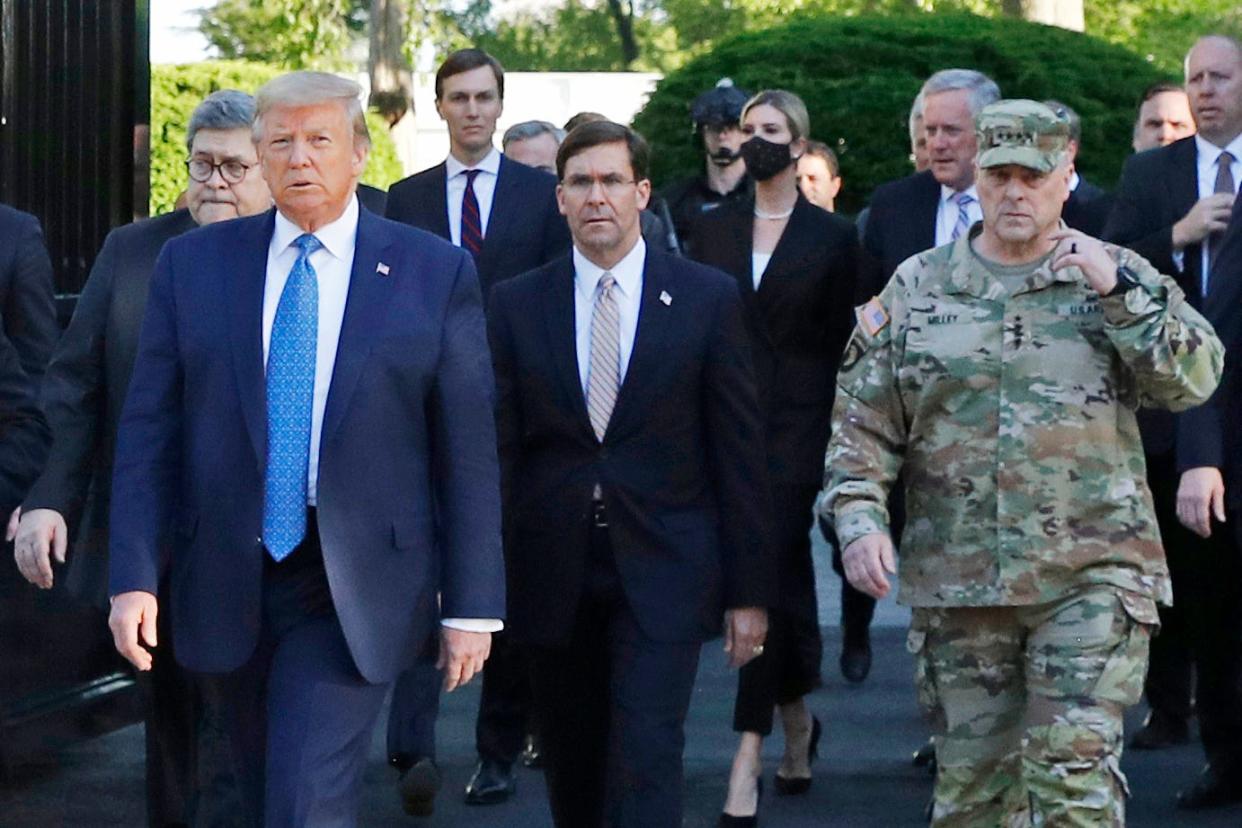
(83, 393)
(505, 214)
(1088, 206)
(1173, 206)
(27, 337)
(933, 207)
(632, 476)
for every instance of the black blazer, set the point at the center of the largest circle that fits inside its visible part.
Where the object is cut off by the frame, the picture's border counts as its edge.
(524, 229)
(902, 222)
(1087, 208)
(27, 336)
(681, 465)
(373, 198)
(1158, 187)
(84, 391)
(799, 321)
(1209, 435)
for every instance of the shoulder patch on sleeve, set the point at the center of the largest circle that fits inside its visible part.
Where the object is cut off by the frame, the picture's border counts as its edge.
(872, 317)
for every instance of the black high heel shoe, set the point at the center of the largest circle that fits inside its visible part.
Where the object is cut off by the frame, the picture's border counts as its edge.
(795, 786)
(752, 821)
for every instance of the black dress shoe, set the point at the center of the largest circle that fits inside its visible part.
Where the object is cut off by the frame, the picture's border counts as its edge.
(491, 784)
(1217, 786)
(925, 757)
(417, 787)
(856, 656)
(532, 753)
(797, 785)
(730, 821)
(1160, 731)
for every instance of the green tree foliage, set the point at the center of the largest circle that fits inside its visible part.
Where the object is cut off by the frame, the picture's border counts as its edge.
(858, 76)
(295, 34)
(176, 90)
(1162, 30)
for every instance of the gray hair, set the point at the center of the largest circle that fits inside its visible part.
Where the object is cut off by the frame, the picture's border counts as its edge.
(983, 90)
(298, 89)
(222, 109)
(531, 129)
(916, 115)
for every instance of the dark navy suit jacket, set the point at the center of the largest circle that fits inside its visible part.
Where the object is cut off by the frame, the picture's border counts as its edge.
(411, 392)
(524, 228)
(681, 465)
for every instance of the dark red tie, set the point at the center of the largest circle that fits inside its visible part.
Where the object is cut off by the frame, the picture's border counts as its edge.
(471, 224)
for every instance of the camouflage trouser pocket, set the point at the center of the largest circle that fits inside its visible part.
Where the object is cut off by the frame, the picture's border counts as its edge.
(1121, 680)
(924, 671)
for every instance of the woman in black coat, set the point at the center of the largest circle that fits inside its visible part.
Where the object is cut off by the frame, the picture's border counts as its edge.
(795, 265)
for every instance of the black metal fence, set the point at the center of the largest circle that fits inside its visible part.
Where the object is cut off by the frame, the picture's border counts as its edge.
(74, 102)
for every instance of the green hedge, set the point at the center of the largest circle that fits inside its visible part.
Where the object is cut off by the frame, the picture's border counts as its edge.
(859, 75)
(176, 90)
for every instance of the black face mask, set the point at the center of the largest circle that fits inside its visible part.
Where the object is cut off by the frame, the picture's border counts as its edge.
(765, 159)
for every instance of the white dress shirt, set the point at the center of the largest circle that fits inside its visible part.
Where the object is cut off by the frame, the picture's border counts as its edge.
(758, 264)
(484, 189)
(333, 263)
(628, 292)
(1206, 155)
(946, 213)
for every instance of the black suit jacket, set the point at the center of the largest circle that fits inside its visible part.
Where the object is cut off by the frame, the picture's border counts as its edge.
(681, 464)
(524, 229)
(902, 222)
(1209, 435)
(799, 321)
(1087, 208)
(84, 391)
(1158, 187)
(373, 198)
(27, 337)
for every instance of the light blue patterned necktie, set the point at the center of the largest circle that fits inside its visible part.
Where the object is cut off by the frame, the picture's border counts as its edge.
(290, 398)
(964, 200)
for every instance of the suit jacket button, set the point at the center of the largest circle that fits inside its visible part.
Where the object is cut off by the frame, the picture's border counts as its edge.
(258, 541)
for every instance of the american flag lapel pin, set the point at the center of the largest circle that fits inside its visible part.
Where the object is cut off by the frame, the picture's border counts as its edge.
(381, 269)
(665, 298)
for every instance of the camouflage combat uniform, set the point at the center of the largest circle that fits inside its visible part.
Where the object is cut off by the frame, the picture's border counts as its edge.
(1030, 554)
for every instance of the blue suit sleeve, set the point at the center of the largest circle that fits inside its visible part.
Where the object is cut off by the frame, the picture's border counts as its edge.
(464, 441)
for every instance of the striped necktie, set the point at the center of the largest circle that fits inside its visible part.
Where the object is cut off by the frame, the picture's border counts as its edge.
(290, 398)
(964, 200)
(471, 223)
(604, 367)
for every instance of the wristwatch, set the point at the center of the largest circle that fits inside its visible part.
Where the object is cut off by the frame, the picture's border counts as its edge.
(1126, 279)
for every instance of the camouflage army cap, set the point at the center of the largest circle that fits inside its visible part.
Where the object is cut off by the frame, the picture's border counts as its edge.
(1021, 132)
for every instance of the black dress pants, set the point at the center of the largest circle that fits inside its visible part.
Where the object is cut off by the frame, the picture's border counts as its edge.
(611, 707)
(1217, 624)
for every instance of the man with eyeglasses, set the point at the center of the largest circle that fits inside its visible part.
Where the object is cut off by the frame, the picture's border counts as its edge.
(631, 472)
(83, 392)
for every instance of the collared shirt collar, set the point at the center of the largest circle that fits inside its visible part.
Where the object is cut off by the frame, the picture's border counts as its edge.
(947, 193)
(489, 164)
(1208, 152)
(1074, 181)
(337, 237)
(628, 272)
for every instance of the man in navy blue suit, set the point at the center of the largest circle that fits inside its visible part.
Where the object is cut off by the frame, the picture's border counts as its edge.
(504, 213)
(309, 423)
(633, 471)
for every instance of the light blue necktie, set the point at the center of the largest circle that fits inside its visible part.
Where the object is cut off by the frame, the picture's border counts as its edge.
(290, 397)
(964, 200)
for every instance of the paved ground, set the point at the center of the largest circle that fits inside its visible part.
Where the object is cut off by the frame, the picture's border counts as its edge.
(863, 777)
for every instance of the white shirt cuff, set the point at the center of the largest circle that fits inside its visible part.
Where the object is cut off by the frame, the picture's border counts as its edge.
(478, 625)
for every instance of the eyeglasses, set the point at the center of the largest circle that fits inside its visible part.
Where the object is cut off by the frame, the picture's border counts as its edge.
(613, 184)
(232, 171)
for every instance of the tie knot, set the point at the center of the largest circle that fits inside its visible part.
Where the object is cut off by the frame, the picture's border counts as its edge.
(606, 282)
(471, 175)
(307, 243)
(963, 199)
(1224, 159)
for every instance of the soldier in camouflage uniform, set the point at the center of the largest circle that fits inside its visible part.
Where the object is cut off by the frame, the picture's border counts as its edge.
(1000, 375)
